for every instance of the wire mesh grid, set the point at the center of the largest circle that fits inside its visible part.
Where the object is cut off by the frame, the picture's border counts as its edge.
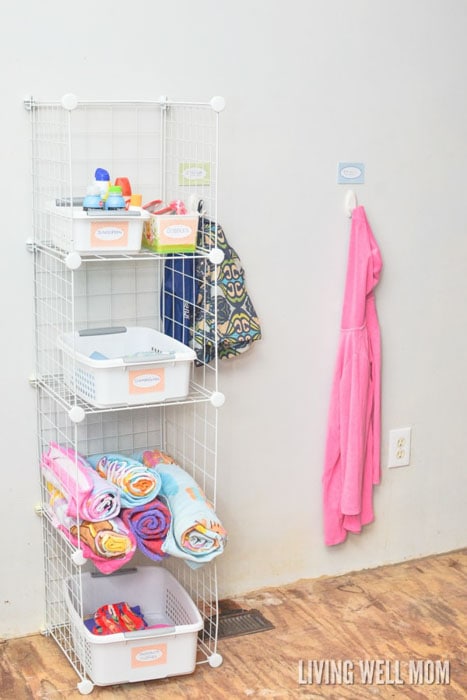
(125, 432)
(191, 439)
(68, 146)
(59, 569)
(167, 151)
(190, 152)
(54, 313)
(54, 425)
(114, 293)
(202, 588)
(188, 434)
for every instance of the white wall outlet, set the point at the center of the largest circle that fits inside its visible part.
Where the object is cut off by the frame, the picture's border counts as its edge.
(399, 447)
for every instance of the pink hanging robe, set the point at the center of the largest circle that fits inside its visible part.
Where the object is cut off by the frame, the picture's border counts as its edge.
(352, 455)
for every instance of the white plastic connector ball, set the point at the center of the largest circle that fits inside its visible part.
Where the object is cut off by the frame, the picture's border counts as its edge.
(218, 103)
(78, 557)
(76, 414)
(216, 256)
(215, 660)
(69, 101)
(85, 687)
(73, 260)
(217, 399)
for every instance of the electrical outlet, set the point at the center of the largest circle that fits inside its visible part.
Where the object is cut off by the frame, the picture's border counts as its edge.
(399, 447)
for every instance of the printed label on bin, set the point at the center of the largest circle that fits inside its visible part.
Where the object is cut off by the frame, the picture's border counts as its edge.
(109, 235)
(144, 381)
(148, 656)
(178, 230)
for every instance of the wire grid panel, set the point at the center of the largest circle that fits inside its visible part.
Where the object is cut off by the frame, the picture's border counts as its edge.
(188, 434)
(94, 296)
(191, 155)
(54, 425)
(122, 432)
(119, 293)
(167, 151)
(59, 569)
(68, 146)
(191, 439)
(54, 313)
(201, 584)
(51, 174)
(153, 146)
(189, 312)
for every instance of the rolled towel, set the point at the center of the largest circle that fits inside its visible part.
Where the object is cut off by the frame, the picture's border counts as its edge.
(108, 543)
(196, 533)
(151, 458)
(149, 523)
(88, 495)
(137, 484)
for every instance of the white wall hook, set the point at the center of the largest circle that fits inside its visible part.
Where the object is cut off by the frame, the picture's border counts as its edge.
(350, 203)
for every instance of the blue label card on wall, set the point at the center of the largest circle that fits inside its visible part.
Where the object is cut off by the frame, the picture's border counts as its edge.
(351, 173)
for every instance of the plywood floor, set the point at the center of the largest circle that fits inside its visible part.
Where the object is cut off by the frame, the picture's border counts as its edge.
(393, 617)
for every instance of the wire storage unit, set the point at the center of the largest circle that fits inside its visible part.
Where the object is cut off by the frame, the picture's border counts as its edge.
(169, 150)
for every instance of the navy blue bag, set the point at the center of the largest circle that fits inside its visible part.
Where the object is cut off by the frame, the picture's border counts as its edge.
(207, 306)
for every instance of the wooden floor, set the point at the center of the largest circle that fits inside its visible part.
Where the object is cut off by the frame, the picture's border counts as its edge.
(408, 621)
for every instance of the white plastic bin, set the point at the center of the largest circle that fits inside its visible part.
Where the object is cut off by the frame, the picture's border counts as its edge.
(73, 229)
(141, 655)
(125, 366)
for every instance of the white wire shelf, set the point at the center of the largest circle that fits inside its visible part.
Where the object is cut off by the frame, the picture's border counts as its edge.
(217, 103)
(54, 387)
(143, 255)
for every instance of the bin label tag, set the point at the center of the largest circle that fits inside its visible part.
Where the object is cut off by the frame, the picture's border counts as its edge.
(144, 381)
(148, 655)
(109, 235)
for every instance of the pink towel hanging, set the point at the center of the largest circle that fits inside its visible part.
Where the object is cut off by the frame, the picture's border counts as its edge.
(352, 455)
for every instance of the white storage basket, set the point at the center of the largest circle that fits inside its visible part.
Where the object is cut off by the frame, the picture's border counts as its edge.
(125, 366)
(74, 229)
(142, 655)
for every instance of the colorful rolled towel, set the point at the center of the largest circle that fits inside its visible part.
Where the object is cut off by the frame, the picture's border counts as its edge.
(151, 458)
(108, 543)
(88, 496)
(196, 533)
(149, 523)
(137, 484)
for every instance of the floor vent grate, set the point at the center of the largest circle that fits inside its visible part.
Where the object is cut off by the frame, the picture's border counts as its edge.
(236, 622)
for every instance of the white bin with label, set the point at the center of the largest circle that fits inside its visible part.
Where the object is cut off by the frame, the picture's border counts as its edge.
(125, 366)
(74, 229)
(127, 657)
